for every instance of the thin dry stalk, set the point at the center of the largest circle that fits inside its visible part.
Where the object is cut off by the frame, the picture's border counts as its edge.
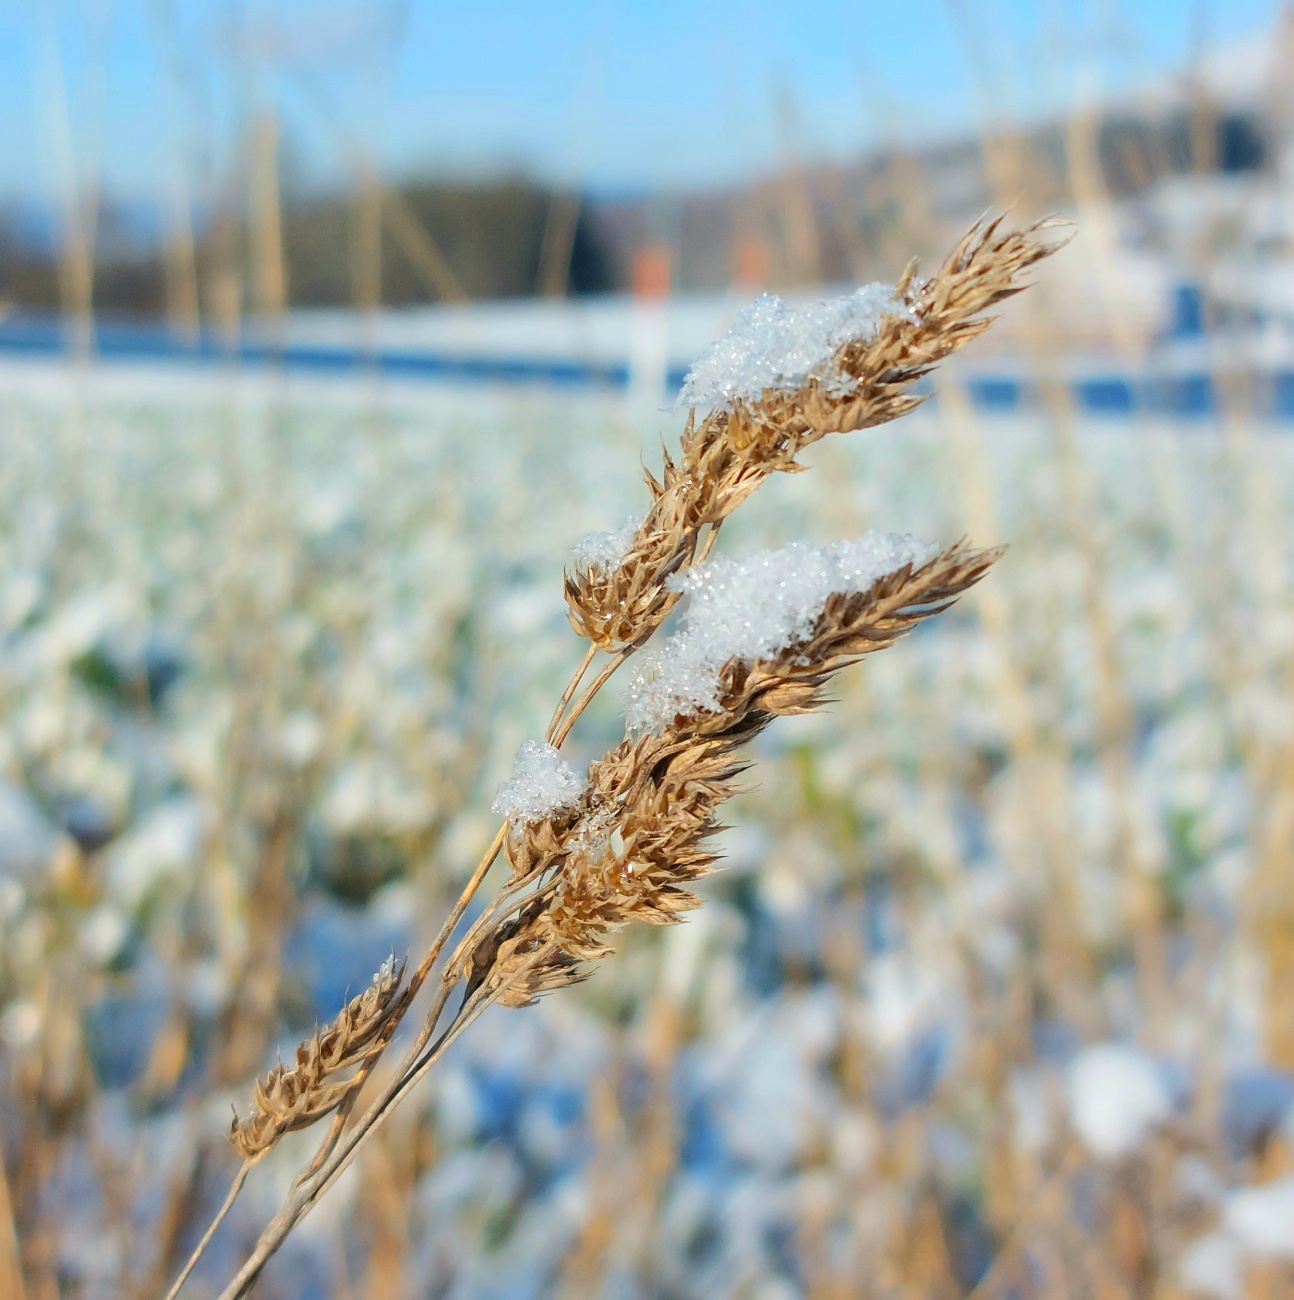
(1114, 723)
(1009, 158)
(366, 244)
(11, 1283)
(270, 272)
(1270, 901)
(1205, 572)
(181, 263)
(293, 1097)
(230, 1197)
(181, 1195)
(386, 1209)
(581, 1271)
(397, 217)
(660, 1146)
(1042, 772)
(639, 836)
(1041, 1207)
(249, 1019)
(419, 247)
(560, 228)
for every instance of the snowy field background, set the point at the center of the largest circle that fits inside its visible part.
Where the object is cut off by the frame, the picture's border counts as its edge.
(993, 998)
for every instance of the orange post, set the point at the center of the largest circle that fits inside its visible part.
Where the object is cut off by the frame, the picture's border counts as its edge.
(750, 262)
(652, 268)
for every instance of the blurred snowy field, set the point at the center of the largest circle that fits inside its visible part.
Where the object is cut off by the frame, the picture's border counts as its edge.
(996, 990)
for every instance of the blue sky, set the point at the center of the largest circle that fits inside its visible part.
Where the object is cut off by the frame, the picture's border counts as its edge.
(605, 93)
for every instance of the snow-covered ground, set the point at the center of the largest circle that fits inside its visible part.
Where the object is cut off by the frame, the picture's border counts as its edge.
(991, 980)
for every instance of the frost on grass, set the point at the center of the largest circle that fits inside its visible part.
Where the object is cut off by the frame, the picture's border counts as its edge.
(773, 344)
(606, 550)
(542, 783)
(753, 609)
(1117, 1096)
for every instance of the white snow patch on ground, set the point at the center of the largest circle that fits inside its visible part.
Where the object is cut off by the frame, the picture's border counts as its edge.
(27, 840)
(1212, 1267)
(1261, 1219)
(902, 998)
(1031, 1111)
(165, 846)
(542, 783)
(753, 609)
(773, 344)
(1116, 1097)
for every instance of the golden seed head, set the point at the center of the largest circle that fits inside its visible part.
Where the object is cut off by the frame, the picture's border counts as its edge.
(293, 1097)
(642, 835)
(728, 453)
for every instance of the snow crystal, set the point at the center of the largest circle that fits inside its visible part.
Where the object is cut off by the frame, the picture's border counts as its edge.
(1116, 1096)
(542, 782)
(774, 344)
(1212, 1267)
(753, 609)
(1261, 1219)
(606, 550)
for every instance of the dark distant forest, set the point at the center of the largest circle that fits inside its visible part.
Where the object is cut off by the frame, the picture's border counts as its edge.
(515, 237)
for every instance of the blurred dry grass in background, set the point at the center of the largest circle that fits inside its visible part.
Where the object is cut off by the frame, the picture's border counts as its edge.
(266, 648)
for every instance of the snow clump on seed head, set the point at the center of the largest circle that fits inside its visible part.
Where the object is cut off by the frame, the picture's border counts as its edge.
(753, 609)
(542, 783)
(606, 550)
(773, 344)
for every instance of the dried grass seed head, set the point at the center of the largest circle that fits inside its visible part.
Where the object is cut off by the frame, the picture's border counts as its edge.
(293, 1097)
(643, 836)
(727, 453)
